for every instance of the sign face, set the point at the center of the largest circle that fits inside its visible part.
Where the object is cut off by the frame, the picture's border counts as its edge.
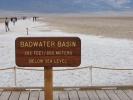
(48, 51)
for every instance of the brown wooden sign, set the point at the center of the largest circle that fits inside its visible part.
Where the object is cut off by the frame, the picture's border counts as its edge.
(48, 51)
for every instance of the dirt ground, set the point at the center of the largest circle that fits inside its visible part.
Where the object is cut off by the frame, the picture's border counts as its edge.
(106, 26)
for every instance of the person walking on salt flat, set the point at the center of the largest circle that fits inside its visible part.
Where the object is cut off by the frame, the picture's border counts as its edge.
(14, 21)
(7, 24)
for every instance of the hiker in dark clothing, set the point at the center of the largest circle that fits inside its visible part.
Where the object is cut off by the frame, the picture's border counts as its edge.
(33, 19)
(11, 19)
(6, 24)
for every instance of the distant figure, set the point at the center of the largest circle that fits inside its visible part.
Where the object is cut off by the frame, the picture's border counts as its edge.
(24, 18)
(14, 21)
(33, 19)
(11, 19)
(7, 24)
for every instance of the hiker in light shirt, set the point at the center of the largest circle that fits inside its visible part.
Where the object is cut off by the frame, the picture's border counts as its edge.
(14, 21)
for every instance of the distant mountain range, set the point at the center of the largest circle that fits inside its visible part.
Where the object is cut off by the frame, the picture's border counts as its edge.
(52, 6)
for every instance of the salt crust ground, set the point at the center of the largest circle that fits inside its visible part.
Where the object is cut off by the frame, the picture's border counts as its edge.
(96, 51)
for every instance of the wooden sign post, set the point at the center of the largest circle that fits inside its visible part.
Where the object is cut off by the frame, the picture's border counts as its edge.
(48, 78)
(48, 52)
